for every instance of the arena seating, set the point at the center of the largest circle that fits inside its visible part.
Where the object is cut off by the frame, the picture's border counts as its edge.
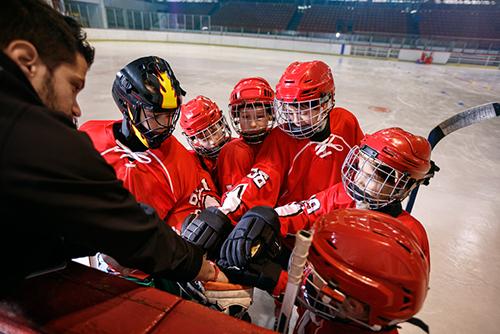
(262, 16)
(354, 17)
(466, 21)
(463, 21)
(194, 8)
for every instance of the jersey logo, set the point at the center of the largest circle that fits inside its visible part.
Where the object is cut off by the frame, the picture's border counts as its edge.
(311, 205)
(200, 196)
(259, 177)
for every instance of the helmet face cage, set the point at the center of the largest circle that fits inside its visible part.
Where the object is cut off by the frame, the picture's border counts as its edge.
(367, 179)
(252, 120)
(303, 119)
(154, 124)
(324, 300)
(209, 141)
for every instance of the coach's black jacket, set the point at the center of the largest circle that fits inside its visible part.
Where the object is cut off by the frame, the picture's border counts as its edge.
(59, 199)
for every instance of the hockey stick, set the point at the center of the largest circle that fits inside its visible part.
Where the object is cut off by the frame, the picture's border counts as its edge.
(298, 258)
(461, 120)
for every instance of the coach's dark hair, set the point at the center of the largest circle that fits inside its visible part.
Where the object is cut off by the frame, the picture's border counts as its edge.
(57, 38)
(82, 45)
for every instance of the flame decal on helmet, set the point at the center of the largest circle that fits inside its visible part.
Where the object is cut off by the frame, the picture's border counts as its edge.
(169, 96)
(137, 133)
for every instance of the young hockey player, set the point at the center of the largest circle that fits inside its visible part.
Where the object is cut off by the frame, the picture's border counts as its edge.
(344, 291)
(378, 175)
(151, 162)
(252, 116)
(206, 131)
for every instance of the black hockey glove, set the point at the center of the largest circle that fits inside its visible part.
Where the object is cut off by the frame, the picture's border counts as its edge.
(207, 230)
(264, 274)
(255, 237)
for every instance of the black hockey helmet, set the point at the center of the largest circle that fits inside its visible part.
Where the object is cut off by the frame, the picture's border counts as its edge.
(149, 97)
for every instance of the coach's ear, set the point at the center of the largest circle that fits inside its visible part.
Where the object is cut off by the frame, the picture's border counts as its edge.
(26, 57)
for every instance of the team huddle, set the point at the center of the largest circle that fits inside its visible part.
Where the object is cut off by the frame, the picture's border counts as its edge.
(299, 163)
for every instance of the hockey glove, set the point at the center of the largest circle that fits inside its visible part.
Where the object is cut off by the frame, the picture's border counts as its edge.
(255, 237)
(263, 274)
(207, 230)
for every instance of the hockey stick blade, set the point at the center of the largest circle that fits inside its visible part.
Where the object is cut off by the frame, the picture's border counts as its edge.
(459, 121)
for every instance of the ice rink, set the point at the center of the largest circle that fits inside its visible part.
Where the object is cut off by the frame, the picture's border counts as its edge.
(460, 209)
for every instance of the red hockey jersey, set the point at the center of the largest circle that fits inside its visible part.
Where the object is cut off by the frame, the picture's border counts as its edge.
(209, 165)
(235, 160)
(296, 216)
(167, 178)
(288, 169)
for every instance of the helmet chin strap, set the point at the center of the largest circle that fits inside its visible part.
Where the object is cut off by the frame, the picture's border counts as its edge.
(122, 132)
(393, 209)
(324, 132)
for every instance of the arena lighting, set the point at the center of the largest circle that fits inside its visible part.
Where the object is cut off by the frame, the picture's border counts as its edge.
(337, 35)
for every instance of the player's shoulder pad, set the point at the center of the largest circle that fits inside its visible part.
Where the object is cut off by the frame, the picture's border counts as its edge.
(342, 115)
(343, 112)
(235, 145)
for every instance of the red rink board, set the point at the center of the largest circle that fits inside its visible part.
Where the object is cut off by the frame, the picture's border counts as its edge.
(84, 300)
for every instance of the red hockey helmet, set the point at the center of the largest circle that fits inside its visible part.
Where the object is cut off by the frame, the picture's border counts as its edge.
(386, 166)
(149, 97)
(251, 109)
(204, 126)
(304, 98)
(364, 266)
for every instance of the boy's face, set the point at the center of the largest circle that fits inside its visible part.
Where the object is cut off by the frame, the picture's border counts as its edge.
(210, 137)
(254, 119)
(157, 122)
(373, 178)
(305, 113)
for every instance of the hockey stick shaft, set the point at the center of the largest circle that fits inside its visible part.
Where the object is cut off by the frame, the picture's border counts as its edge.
(298, 259)
(459, 121)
